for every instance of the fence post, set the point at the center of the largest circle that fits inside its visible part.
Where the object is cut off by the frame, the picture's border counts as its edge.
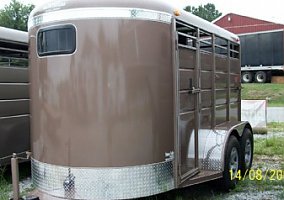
(15, 177)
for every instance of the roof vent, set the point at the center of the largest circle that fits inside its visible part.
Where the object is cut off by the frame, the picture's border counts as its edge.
(229, 18)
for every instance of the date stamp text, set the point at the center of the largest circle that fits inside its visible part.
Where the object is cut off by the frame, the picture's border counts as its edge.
(258, 175)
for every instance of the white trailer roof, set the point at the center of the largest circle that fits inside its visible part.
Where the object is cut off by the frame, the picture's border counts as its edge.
(54, 7)
(12, 35)
(207, 26)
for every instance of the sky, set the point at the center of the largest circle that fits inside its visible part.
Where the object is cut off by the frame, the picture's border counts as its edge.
(271, 10)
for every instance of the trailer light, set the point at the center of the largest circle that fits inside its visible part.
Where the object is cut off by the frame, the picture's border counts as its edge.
(177, 12)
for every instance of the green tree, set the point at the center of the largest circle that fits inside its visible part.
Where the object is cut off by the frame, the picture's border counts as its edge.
(207, 12)
(15, 15)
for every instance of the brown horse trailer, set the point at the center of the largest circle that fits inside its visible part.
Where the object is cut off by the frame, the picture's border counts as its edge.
(14, 95)
(132, 98)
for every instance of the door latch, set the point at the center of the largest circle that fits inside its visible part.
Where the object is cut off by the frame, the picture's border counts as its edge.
(194, 90)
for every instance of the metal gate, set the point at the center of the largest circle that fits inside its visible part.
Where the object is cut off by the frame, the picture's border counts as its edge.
(187, 99)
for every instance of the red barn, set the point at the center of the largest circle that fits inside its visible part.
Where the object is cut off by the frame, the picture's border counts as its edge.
(239, 24)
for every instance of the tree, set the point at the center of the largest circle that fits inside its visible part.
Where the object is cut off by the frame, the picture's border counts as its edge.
(207, 12)
(15, 15)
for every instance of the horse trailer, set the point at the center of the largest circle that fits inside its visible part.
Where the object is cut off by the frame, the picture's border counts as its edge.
(14, 94)
(131, 99)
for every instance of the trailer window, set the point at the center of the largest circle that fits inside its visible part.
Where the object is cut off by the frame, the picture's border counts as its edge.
(234, 51)
(221, 46)
(206, 41)
(56, 40)
(187, 35)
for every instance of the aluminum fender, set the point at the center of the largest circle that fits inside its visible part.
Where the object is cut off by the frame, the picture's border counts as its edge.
(212, 144)
(236, 130)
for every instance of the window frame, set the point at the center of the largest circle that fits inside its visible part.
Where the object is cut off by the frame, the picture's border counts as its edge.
(58, 52)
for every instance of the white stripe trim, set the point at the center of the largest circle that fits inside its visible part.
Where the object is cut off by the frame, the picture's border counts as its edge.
(15, 116)
(103, 12)
(261, 32)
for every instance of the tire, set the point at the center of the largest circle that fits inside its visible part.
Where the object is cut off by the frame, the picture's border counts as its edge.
(246, 150)
(260, 77)
(246, 77)
(232, 162)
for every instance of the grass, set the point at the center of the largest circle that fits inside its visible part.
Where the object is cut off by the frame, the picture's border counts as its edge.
(271, 91)
(281, 195)
(262, 185)
(5, 188)
(275, 126)
(271, 127)
(261, 131)
(270, 146)
(6, 180)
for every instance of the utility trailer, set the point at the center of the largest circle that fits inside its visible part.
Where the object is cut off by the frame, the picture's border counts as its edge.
(262, 56)
(14, 95)
(131, 99)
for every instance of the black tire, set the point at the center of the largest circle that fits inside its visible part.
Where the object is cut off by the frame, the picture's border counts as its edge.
(260, 77)
(246, 77)
(227, 182)
(246, 146)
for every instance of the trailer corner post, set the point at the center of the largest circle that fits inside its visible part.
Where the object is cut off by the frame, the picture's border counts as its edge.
(15, 176)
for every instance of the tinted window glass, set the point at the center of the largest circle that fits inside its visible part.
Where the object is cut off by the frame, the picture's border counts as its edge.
(56, 40)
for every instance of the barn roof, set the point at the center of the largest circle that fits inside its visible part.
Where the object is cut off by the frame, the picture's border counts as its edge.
(240, 24)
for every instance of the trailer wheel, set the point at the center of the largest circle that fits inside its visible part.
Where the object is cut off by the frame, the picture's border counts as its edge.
(260, 77)
(231, 164)
(246, 77)
(246, 150)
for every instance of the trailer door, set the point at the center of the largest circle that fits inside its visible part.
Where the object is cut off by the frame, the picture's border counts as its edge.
(187, 100)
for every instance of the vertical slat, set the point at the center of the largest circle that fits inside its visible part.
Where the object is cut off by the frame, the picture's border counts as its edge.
(213, 118)
(239, 88)
(176, 102)
(228, 81)
(198, 97)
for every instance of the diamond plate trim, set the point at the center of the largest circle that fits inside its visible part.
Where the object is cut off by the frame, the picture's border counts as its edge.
(103, 183)
(211, 164)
